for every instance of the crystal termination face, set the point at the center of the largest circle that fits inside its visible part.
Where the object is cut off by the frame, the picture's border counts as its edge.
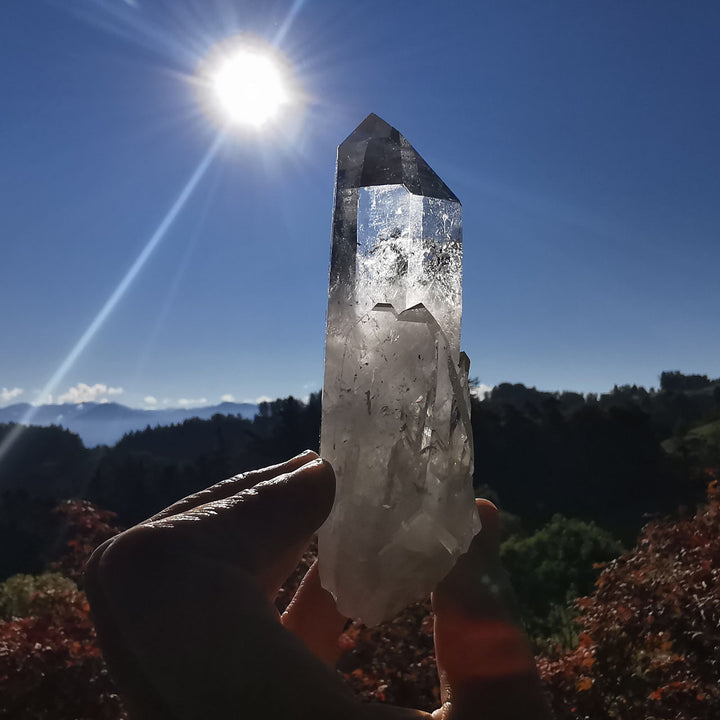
(396, 405)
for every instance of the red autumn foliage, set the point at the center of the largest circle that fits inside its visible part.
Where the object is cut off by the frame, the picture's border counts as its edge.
(651, 631)
(88, 526)
(647, 648)
(51, 667)
(394, 662)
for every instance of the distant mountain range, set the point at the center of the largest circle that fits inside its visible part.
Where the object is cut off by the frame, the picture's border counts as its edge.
(106, 423)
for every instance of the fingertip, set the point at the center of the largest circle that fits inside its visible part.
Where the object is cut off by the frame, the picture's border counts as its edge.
(320, 475)
(482, 503)
(316, 481)
(306, 455)
(302, 499)
(313, 616)
(489, 535)
(319, 471)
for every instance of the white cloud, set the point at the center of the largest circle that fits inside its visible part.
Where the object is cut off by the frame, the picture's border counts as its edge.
(258, 400)
(192, 402)
(8, 395)
(150, 400)
(481, 390)
(227, 397)
(82, 393)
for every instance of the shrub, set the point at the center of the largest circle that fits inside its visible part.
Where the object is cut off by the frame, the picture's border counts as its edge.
(552, 567)
(51, 667)
(651, 630)
(25, 595)
(88, 527)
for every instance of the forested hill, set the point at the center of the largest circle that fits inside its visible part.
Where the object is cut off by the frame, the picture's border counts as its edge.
(105, 423)
(615, 459)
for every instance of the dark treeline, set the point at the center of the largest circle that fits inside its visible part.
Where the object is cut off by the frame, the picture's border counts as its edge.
(603, 459)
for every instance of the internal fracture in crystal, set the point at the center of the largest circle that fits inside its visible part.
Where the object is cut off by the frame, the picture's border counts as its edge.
(396, 406)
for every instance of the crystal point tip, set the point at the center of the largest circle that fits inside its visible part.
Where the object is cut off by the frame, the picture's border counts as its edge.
(375, 153)
(373, 126)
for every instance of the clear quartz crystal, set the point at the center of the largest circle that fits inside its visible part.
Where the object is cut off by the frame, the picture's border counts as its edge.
(396, 407)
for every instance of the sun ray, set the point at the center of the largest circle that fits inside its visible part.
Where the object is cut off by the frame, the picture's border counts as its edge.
(174, 284)
(287, 23)
(115, 297)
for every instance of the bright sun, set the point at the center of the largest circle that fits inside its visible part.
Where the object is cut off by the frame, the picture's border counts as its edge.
(250, 87)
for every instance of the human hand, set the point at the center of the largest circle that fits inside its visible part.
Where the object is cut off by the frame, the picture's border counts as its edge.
(183, 605)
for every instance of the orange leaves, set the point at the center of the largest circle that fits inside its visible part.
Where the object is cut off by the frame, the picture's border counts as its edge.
(673, 688)
(584, 684)
(88, 526)
(713, 486)
(395, 661)
(348, 640)
(624, 612)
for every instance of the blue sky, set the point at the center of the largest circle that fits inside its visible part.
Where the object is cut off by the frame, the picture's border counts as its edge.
(582, 138)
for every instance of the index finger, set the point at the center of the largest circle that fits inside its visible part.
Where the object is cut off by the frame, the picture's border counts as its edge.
(227, 488)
